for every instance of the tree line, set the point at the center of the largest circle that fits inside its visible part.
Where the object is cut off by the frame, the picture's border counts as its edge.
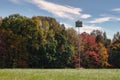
(41, 42)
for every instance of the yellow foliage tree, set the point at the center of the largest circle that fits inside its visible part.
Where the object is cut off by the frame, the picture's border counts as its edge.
(103, 55)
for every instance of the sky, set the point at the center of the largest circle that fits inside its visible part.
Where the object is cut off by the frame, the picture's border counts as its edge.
(101, 15)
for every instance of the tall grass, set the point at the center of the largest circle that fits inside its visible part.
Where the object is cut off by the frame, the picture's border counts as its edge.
(59, 74)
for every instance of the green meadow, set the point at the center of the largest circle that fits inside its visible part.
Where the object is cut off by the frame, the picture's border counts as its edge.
(59, 74)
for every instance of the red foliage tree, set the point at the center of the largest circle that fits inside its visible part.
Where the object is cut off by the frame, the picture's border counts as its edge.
(90, 59)
(92, 54)
(88, 47)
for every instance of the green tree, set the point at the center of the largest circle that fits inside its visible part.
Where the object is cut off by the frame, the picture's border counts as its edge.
(116, 37)
(64, 51)
(106, 41)
(72, 36)
(12, 54)
(114, 54)
(27, 29)
(40, 42)
(96, 32)
(99, 39)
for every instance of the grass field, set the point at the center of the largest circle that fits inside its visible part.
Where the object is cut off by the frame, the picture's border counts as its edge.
(59, 74)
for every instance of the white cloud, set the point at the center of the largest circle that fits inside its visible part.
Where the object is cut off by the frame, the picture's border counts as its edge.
(116, 9)
(85, 16)
(115, 18)
(62, 11)
(100, 20)
(90, 28)
(104, 19)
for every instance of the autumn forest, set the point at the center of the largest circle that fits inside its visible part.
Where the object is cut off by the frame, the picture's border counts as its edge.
(42, 42)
